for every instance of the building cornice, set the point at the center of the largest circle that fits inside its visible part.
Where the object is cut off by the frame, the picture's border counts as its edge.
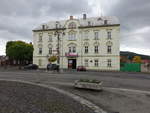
(40, 30)
(80, 27)
(114, 25)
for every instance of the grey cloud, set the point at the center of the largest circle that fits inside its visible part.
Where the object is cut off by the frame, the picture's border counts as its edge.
(18, 17)
(133, 15)
(37, 7)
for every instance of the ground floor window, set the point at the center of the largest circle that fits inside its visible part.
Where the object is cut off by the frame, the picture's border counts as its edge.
(40, 62)
(96, 63)
(109, 63)
(86, 64)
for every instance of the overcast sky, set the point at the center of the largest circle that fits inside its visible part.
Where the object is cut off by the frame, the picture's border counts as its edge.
(19, 17)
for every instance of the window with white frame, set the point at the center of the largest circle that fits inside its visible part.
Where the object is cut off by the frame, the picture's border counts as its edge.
(86, 50)
(108, 34)
(40, 50)
(86, 62)
(72, 36)
(40, 37)
(50, 50)
(96, 35)
(50, 38)
(108, 49)
(109, 63)
(86, 35)
(72, 49)
(96, 49)
(96, 63)
(40, 62)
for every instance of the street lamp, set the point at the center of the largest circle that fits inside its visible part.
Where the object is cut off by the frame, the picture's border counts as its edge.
(58, 33)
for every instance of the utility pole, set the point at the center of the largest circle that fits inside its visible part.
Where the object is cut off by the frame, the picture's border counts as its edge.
(57, 33)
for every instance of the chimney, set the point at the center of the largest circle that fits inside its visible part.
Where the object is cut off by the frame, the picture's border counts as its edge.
(43, 27)
(84, 16)
(71, 17)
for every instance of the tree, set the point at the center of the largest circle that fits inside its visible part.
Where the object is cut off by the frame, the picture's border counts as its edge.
(123, 59)
(52, 59)
(19, 51)
(136, 59)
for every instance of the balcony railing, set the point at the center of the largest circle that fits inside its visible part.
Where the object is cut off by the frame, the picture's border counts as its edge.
(71, 54)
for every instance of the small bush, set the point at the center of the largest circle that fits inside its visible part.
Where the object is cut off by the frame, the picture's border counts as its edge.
(90, 81)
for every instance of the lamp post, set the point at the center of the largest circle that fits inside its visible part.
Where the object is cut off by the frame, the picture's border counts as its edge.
(58, 33)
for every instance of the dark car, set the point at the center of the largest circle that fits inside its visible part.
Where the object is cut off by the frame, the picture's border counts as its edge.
(31, 66)
(81, 68)
(52, 67)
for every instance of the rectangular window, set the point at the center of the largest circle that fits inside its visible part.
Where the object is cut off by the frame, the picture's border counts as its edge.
(40, 50)
(50, 50)
(86, 49)
(40, 37)
(86, 35)
(109, 35)
(96, 63)
(96, 49)
(109, 49)
(86, 64)
(72, 36)
(74, 49)
(50, 38)
(96, 35)
(40, 62)
(109, 63)
(70, 50)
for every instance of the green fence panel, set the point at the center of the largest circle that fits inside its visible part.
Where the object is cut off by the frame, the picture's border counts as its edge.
(130, 67)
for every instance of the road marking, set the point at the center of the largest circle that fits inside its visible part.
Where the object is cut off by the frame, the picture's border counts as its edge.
(128, 90)
(109, 88)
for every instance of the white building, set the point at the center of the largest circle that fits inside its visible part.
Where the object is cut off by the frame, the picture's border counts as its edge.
(91, 42)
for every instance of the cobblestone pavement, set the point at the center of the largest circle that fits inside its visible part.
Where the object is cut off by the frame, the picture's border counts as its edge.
(16, 97)
(112, 99)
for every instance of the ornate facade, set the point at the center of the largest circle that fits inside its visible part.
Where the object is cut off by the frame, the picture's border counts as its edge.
(90, 42)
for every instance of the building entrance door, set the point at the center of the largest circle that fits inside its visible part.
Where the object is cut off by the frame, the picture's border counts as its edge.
(72, 63)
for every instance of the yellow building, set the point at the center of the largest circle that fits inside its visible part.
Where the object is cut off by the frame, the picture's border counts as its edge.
(90, 42)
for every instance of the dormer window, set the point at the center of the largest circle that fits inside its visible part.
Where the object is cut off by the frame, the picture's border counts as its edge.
(72, 25)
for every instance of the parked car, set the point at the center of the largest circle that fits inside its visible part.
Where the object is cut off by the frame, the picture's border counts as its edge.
(81, 68)
(52, 67)
(31, 66)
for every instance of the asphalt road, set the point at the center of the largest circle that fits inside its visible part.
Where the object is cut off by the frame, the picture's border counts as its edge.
(123, 92)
